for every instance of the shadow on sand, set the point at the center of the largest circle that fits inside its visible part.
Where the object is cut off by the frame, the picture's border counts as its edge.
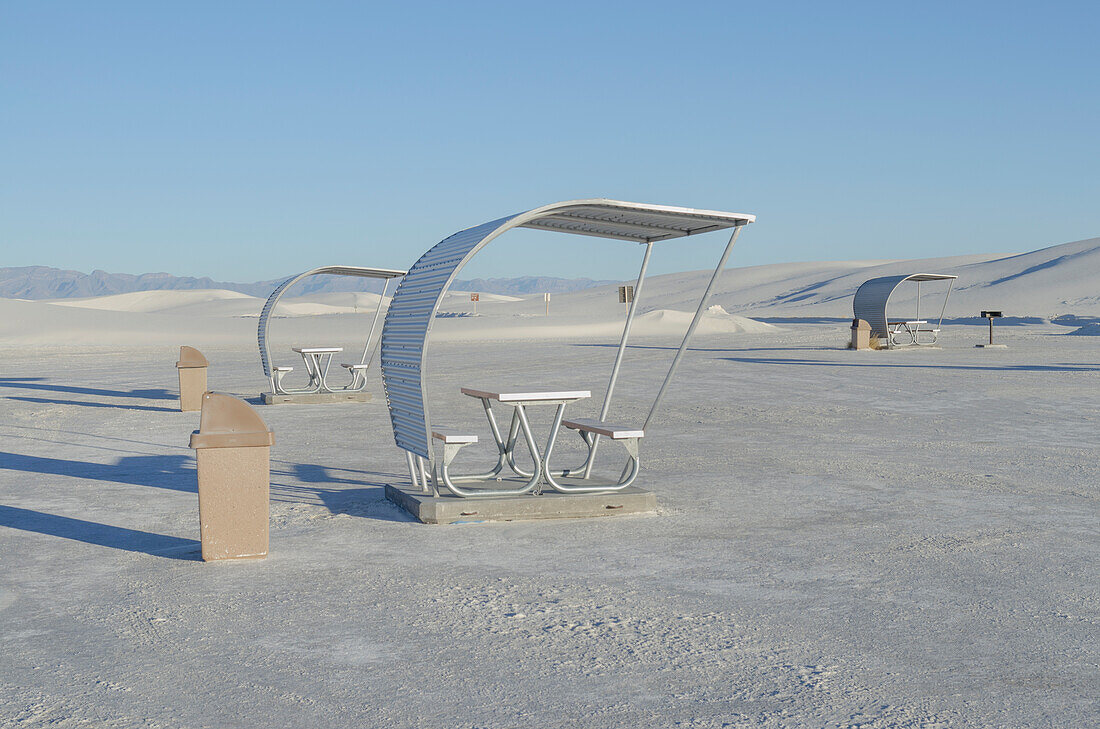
(174, 472)
(368, 502)
(97, 436)
(1061, 367)
(35, 383)
(103, 535)
(86, 404)
(302, 483)
(674, 347)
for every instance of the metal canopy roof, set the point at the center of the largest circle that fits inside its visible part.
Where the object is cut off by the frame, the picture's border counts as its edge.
(929, 277)
(412, 311)
(351, 271)
(874, 294)
(632, 221)
(273, 299)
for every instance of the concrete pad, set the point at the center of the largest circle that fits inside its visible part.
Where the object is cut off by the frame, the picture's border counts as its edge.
(910, 348)
(550, 505)
(990, 346)
(315, 397)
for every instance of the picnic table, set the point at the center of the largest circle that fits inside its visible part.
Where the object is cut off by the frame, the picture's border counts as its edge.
(913, 330)
(520, 400)
(275, 373)
(317, 361)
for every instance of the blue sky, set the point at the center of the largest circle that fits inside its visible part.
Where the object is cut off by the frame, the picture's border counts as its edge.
(246, 141)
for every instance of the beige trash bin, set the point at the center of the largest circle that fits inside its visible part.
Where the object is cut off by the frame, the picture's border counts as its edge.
(233, 450)
(192, 370)
(861, 334)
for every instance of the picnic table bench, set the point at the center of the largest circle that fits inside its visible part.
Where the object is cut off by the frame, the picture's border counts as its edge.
(453, 440)
(912, 330)
(317, 361)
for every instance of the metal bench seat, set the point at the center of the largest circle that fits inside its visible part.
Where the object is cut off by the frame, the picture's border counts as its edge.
(453, 436)
(454, 440)
(590, 430)
(358, 375)
(608, 430)
(277, 374)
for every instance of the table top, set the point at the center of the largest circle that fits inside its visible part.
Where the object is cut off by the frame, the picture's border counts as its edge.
(526, 396)
(317, 350)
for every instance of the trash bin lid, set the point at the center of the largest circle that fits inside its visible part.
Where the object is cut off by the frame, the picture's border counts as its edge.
(228, 422)
(191, 357)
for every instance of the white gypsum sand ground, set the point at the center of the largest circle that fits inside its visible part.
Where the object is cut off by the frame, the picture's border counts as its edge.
(844, 539)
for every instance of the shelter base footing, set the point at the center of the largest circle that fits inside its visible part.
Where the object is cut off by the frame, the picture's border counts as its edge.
(991, 346)
(549, 505)
(911, 348)
(270, 398)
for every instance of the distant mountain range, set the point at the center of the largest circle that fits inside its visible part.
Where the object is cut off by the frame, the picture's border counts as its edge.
(43, 282)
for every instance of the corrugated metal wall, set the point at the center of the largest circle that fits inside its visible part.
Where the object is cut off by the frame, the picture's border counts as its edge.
(406, 330)
(870, 300)
(261, 328)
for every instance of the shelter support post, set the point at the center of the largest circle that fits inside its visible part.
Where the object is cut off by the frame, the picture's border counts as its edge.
(367, 350)
(424, 469)
(950, 287)
(694, 323)
(619, 355)
(413, 474)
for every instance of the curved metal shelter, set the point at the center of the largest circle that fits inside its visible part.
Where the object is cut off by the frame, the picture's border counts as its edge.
(873, 296)
(408, 322)
(273, 299)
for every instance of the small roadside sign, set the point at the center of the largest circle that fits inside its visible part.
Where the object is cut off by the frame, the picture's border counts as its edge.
(626, 294)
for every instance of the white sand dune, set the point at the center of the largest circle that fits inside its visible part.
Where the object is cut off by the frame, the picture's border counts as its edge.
(716, 320)
(484, 297)
(1038, 286)
(666, 323)
(25, 323)
(221, 303)
(1063, 279)
(147, 301)
(353, 301)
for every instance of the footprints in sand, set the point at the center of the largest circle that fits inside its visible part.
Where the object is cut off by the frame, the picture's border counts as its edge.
(813, 677)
